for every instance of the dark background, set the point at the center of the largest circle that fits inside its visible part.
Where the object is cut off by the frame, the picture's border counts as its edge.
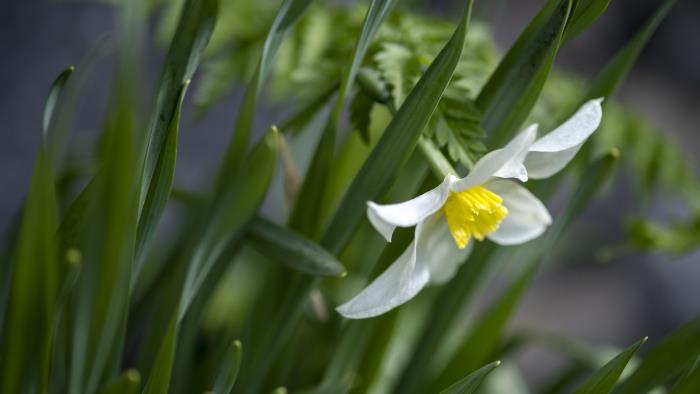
(614, 303)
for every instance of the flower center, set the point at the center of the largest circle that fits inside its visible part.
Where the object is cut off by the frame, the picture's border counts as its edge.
(476, 212)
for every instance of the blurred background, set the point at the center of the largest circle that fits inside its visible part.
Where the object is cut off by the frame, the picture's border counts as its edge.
(614, 303)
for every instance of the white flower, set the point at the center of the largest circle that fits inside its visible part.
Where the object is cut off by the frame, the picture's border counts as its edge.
(484, 204)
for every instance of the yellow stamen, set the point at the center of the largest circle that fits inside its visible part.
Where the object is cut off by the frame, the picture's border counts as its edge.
(476, 212)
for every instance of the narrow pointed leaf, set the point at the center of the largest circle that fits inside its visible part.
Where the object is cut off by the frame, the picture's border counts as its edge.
(583, 14)
(290, 248)
(161, 184)
(288, 14)
(52, 100)
(512, 90)
(398, 141)
(605, 378)
(197, 20)
(159, 378)
(605, 84)
(665, 361)
(228, 371)
(127, 383)
(312, 193)
(470, 383)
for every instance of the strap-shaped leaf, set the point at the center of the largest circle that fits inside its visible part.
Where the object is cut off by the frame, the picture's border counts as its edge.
(584, 13)
(512, 90)
(470, 383)
(603, 380)
(398, 141)
(228, 372)
(160, 186)
(292, 249)
(52, 100)
(197, 20)
(665, 361)
(689, 383)
(127, 383)
(605, 84)
(288, 14)
(312, 193)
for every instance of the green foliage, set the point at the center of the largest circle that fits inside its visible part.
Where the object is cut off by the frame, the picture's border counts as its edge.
(111, 295)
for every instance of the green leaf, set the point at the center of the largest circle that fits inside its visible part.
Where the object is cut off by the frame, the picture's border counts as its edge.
(127, 383)
(688, 384)
(470, 383)
(605, 84)
(287, 247)
(512, 90)
(52, 101)
(397, 142)
(161, 184)
(288, 14)
(360, 111)
(159, 378)
(583, 14)
(486, 337)
(603, 380)
(197, 20)
(31, 307)
(229, 369)
(666, 360)
(313, 190)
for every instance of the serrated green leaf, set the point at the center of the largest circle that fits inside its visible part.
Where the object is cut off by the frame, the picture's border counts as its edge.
(397, 142)
(470, 383)
(512, 90)
(605, 84)
(292, 249)
(666, 360)
(228, 372)
(603, 380)
(127, 383)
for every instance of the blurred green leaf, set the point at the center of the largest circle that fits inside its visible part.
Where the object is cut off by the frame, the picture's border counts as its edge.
(31, 308)
(287, 247)
(52, 101)
(603, 380)
(689, 383)
(228, 371)
(159, 378)
(128, 382)
(397, 142)
(288, 14)
(485, 338)
(470, 383)
(512, 90)
(605, 83)
(666, 360)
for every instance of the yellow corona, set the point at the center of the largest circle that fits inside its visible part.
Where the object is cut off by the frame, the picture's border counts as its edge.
(476, 212)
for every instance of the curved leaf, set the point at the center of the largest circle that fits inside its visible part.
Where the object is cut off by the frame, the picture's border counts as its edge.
(604, 379)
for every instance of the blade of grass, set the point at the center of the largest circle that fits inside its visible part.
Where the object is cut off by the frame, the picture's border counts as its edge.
(603, 380)
(512, 90)
(584, 13)
(666, 360)
(312, 193)
(292, 249)
(229, 369)
(288, 14)
(470, 383)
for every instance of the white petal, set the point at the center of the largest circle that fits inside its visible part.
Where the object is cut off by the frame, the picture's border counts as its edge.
(441, 252)
(385, 218)
(554, 151)
(399, 283)
(506, 162)
(527, 217)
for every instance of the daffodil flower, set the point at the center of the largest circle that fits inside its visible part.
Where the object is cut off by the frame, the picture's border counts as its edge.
(484, 204)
